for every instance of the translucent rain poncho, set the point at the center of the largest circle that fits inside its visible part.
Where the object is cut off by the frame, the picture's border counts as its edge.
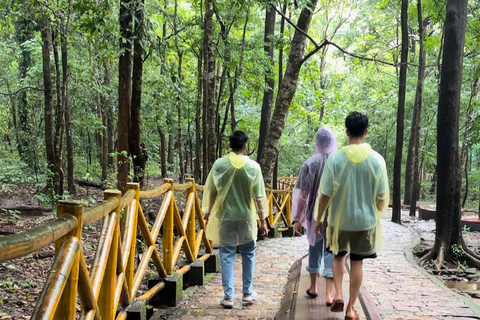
(233, 184)
(355, 179)
(305, 191)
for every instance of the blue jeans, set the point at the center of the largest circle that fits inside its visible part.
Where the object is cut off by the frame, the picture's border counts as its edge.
(315, 255)
(227, 259)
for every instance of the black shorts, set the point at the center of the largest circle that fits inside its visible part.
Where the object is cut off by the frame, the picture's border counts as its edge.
(360, 244)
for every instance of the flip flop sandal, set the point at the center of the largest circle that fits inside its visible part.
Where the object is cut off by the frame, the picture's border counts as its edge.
(355, 317)
(337, 305)
(311, 295)
(329, 304)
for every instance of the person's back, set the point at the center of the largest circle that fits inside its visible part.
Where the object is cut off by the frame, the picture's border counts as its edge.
(355, 186)
(234, 192)
(356, 170)
(244, 187)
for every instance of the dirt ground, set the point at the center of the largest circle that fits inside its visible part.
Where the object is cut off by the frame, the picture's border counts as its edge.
(21, 280)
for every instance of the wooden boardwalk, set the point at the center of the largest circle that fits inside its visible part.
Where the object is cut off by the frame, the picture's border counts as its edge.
(297, 305)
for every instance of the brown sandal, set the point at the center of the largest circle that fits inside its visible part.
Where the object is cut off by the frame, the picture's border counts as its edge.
(355, 317)
(337, 305)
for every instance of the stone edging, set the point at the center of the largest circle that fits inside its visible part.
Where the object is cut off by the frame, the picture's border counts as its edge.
(411, 259)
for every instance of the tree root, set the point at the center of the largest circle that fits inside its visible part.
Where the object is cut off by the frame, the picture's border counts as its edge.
(428, 256)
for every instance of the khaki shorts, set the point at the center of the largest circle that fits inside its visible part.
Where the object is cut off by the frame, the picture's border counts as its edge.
(360, 244)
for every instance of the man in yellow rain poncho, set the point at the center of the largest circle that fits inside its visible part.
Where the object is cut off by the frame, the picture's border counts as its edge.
(355, 186)
(234, 192)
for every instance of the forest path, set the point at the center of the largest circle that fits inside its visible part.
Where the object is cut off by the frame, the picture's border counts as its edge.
(394, 286)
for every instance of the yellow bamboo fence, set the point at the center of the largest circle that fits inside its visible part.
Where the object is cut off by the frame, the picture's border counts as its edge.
(280, 205)
(108, 288)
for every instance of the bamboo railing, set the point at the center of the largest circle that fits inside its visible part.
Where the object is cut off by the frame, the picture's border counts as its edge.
(280, 203)
(111, 283)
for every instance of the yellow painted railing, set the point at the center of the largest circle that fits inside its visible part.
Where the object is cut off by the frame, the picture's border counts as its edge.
(112, 281)
(280, 203)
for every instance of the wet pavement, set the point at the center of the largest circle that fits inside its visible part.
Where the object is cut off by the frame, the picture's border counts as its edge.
(394, 286)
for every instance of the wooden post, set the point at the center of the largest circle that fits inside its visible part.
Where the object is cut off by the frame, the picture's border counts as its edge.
(168, 234)
(68, 302)
(107, 292)
(288, 207)
(130, 271)
(191, 220)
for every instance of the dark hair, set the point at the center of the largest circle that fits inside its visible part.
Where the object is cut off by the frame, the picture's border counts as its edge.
(356, 123)
(238, 139)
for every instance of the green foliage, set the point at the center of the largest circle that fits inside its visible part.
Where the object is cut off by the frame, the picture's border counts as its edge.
(456, 252)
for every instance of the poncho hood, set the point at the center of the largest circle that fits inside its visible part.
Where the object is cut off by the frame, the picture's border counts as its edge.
(357, 152)
(237, 161)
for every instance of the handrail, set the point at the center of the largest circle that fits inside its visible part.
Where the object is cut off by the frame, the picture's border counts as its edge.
(113, 279)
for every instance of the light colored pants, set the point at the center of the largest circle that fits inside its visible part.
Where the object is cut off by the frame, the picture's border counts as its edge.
(316, 254)
(227, 260)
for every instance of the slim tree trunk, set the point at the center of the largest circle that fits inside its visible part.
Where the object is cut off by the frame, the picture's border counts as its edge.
(286, 91)
(181, 163)
(138, 157)
(163, 149)
(466, 133)
(268, 48)
(209, 89)
(198, 116)
(414, 141)
(59, 120)
(105, 105)
(397, 165)
(23, 33)
(48, 95)
(124, 93)
(68, 127)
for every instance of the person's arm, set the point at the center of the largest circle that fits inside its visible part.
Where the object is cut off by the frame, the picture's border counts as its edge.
(261, 216)
(211, 202)
(300, 216)
(322, 208)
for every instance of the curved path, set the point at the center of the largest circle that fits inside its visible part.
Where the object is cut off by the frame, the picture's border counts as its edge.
(395, 287)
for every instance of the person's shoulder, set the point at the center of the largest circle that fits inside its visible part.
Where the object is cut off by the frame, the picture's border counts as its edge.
(250, 163)
(377, 157)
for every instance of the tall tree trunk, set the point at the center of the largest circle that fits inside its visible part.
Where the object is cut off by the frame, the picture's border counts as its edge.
(138, 157)
(286, 91)
(198, 116)
(59, 120)
(163, 149)
(412, 192)
(448, 231)
(124, 93)
(68, 127)
(23, 33)
(268, 48)
(181, 163)
(397, 165)
(106, 125)
(466, 133)
(209, 90)
(48, 95)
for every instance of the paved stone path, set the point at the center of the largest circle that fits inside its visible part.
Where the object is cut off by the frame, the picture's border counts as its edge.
(401, 289)
(274, 259)
(396, 286)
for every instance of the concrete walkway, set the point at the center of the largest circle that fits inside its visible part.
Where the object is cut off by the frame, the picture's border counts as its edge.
(395, 287)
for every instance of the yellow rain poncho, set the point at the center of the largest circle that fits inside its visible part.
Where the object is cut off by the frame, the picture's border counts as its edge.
(233, 184)
(355, 179)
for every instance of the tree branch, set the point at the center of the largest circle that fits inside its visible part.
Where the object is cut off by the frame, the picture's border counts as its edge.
(295, 26)
(360, 57)
(21, 89)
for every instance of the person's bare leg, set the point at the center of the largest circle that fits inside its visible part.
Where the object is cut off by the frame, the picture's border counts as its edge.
(356, 277)
(313, 283)
(337, 268)
(329, 288)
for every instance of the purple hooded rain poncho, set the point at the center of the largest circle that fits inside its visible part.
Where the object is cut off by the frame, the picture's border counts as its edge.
(305, 191)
